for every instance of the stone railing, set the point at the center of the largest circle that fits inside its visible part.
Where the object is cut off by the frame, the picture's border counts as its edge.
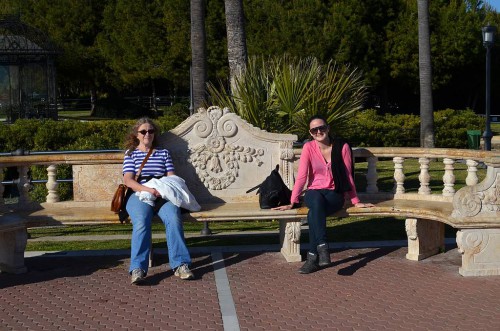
(105, 167)
(107, 163)
(399, 155)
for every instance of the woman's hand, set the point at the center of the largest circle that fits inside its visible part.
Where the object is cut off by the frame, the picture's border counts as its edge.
(364, 205)
(154, 192)
(284, 207)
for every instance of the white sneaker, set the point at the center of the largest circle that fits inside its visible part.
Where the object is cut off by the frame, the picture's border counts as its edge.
(183, 272)
(138, 276)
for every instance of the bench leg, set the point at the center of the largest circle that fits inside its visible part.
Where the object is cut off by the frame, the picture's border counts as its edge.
(206, 230)
(290, 240)
(480, 249)
(12, 246)
(425, 238)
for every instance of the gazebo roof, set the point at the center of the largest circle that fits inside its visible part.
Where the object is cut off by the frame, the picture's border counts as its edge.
(17, 38)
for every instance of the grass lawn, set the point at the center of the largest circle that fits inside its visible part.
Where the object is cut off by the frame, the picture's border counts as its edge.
(339, 230)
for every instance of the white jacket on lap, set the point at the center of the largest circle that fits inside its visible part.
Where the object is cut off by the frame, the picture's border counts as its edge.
(174, 189)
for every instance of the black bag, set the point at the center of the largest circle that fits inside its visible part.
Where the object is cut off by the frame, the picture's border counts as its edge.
(272, 191)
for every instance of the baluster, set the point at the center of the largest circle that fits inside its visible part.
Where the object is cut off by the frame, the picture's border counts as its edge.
(424, 176)
(399, 175)
(23, 184)
(448, 177)
(371, 175)
(51, 185)
(2, 188)
(471, 173)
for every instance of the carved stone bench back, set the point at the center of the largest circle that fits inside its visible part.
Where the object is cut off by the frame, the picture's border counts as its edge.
(218, 154)
(221, 156)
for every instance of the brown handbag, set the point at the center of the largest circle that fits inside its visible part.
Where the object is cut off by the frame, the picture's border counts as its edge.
(122, 192)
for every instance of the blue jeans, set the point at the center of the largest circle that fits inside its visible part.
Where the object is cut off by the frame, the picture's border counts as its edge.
(141, 215)
(321, 203)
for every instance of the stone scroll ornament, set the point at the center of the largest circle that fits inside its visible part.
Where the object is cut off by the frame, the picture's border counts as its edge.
(216, 162)
(480, 200)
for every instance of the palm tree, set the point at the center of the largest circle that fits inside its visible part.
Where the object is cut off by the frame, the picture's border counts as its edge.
(198, 53)
(281, 93)
(236, 40)
(425, 73)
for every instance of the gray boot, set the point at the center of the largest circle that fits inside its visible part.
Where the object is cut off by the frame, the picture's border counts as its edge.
(311, 264)
(324, 255)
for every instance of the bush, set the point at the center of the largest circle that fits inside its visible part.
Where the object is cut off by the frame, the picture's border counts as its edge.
(371, 129)
(452, 126)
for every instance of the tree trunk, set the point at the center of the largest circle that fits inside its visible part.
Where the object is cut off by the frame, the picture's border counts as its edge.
(236, 40)
(198, 53)
(425, 72)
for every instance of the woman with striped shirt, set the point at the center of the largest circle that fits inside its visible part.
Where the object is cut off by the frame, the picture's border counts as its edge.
(141, 140)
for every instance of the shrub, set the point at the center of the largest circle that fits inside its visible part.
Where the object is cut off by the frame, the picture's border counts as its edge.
(452, 126)
(371, 129)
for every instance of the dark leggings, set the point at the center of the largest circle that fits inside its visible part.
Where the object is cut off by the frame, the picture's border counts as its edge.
(321, 203)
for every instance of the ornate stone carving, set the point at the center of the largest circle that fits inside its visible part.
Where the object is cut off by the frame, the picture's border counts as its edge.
(411, 228)
(217, 162)
(469, 240)
(479, 249)
(468, 204)
(481, 200)
(293, 231)
(286, 150)
(290, 240)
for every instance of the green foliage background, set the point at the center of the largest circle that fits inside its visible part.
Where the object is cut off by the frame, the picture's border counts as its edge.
(143, 45)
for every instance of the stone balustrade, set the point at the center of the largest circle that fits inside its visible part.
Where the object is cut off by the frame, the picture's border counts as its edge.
(106, 166)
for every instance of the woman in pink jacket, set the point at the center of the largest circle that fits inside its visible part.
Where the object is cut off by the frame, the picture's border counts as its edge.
(326, 165)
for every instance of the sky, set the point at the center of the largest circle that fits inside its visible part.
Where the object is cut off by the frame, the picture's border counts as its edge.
(495, 4)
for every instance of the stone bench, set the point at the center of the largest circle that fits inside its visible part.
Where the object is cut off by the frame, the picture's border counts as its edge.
(221, 156)
(13, 239)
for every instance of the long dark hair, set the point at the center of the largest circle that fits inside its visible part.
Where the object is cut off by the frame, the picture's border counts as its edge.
(318, 117)
(131, 140)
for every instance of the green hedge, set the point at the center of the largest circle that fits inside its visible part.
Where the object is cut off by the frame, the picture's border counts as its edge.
(369, 128)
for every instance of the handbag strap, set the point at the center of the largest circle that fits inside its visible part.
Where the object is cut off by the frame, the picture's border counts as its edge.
(143, 164)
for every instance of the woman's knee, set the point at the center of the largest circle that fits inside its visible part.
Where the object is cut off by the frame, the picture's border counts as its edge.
(170, 213)
(314, 199)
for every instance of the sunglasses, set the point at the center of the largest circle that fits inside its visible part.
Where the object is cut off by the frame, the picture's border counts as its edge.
(143, 132)
(317, 129)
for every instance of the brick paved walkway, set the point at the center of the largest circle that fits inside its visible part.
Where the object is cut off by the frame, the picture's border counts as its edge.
(366, 289)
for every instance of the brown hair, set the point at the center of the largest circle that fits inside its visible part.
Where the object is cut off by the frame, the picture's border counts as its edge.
(131, 141)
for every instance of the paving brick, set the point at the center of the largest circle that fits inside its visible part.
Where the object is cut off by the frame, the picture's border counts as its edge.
(365, 289)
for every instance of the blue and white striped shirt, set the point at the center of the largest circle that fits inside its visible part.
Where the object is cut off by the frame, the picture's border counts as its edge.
(158, 164)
